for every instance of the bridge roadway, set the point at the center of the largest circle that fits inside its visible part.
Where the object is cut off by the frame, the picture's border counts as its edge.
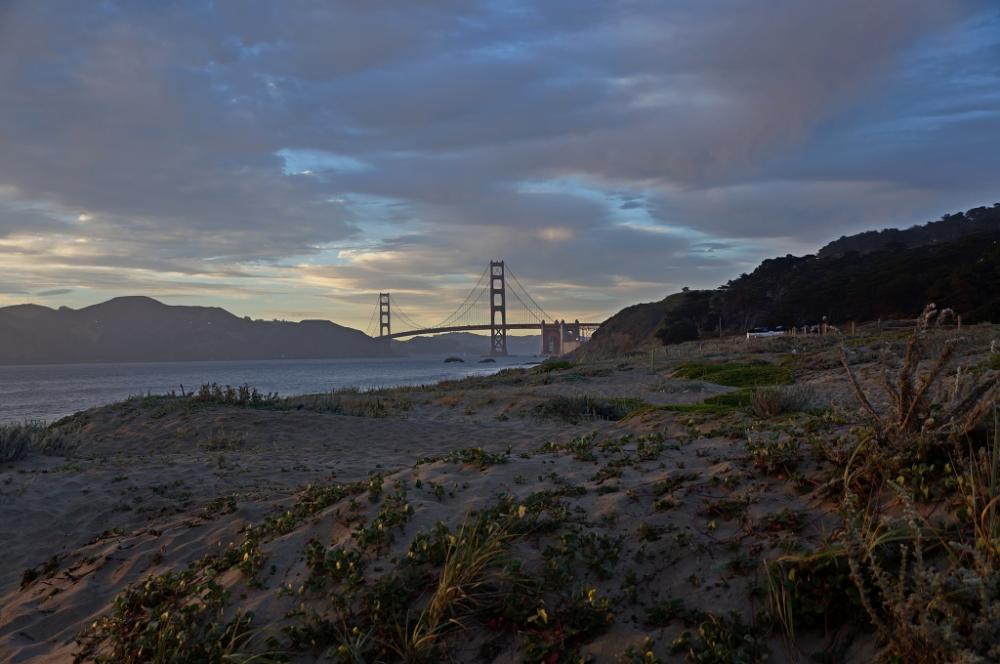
(474, 328)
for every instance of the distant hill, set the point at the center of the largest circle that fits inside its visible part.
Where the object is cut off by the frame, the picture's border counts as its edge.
(140, 329)
(880, 274)
(464, 343)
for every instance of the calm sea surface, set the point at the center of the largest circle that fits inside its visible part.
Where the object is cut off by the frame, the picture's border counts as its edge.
(48, 392)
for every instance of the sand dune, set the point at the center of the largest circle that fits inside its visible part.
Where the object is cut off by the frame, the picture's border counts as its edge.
(611, 520)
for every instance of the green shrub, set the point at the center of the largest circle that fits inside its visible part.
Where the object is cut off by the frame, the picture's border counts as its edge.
(578, 408)
(813, 590)
(175, 617)
(716, 405)
(736, 374)
(678, 331)
(994, 362)
(723, 640)
(553, 365)
(478, 457)
(775, 454)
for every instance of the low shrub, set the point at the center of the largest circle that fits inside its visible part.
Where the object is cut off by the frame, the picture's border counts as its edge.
(812, 590)
(553, 365)
(775, 454)
(17, 440)
(243, 395)
(772, 401)
(736, 374)
(579, 408)
(722, 640)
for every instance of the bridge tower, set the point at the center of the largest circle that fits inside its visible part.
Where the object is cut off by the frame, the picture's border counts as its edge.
(384, 317)
(498, 310)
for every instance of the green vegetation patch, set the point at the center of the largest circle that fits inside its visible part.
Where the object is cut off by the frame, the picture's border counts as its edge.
(719, 404)
(810, 590)
(478, 457)
(723, 639)
(553, 365)
(579, 408)
(736, 374)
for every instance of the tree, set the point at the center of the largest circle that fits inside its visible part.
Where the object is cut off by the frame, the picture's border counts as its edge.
(677, 331)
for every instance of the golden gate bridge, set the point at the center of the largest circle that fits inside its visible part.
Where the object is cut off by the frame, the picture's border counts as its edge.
(486, 308)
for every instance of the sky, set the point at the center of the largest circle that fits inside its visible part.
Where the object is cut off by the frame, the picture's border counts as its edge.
(292, 158)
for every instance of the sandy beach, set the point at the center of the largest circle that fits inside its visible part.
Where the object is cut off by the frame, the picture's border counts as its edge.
(636, 508)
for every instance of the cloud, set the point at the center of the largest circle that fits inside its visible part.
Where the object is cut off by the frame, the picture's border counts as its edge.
(298, 156)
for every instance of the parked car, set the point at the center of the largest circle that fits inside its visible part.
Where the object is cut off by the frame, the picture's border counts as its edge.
(764, 332)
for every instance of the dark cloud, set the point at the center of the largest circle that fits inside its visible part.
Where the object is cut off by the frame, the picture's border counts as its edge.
(611, 151)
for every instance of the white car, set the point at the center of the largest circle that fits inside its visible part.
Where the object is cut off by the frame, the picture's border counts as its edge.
(763, 332)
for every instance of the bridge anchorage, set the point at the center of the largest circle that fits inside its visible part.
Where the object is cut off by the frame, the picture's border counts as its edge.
(485, 308)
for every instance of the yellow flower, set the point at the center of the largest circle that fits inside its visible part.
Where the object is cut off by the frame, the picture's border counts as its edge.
(591, 594)
(543, 616)
(521, 511)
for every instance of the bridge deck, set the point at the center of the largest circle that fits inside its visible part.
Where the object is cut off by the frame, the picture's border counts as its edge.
(474, 328)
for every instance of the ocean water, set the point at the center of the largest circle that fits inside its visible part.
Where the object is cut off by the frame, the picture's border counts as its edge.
(48, 392)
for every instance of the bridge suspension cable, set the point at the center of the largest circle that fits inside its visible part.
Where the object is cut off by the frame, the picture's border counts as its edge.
(400, 314)
(370, 328)
(466, 305)
(469, 307)
(544, 315)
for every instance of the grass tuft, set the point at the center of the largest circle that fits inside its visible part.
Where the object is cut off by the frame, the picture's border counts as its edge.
(582, 408)
(17, 440)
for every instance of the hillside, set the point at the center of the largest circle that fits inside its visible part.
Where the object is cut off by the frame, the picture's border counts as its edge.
(140, 329)
(884, 274)
(636, 325)
(949, 228)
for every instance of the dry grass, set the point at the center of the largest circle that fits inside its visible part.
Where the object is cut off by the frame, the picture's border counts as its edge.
(17, 440)
(473, 552)
(772, 401)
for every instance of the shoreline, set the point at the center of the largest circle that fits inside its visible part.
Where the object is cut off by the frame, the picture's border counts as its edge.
(65, 386)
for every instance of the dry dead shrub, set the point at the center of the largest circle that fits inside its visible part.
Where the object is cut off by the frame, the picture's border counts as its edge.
(928, 607)
(772, 401)
(932, 594)
(925, 414)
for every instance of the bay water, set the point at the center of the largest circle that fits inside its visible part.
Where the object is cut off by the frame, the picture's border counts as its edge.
(48, 392)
